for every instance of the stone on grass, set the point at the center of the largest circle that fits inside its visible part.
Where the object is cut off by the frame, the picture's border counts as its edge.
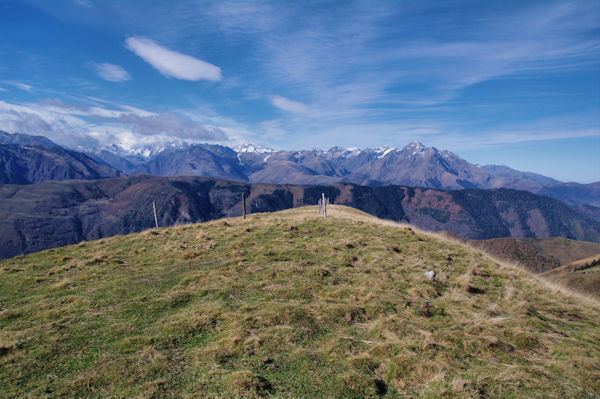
(430, 275)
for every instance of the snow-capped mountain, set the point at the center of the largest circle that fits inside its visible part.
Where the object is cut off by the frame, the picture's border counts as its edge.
(252, 148)
(414, 165)
(341, 152)
(144, 150)
(199, 159)
(126, 157)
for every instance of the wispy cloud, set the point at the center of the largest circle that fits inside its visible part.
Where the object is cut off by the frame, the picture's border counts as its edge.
(289, 105)
(171, 63)
(558, 127)
(19, 85)
(442, 133)
(3, 89)
(84, 3)
(111, 72)
(319, 60)
(36, 119)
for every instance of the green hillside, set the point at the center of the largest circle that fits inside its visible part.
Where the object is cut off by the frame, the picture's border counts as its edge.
(288, 305)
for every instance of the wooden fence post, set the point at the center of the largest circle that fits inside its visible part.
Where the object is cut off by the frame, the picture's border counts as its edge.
(324, 205)
(155, 218)
(244, 204)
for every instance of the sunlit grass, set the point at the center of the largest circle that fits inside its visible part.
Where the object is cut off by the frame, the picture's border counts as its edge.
(288, 305)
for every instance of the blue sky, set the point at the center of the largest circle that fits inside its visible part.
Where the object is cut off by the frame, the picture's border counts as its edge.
(507, 82)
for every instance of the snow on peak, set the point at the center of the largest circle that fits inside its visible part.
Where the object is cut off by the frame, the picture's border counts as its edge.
(144, 150)
(383, 151)
(336, 150)
(415, 145)
(252, 148)
(341, 152)
(417, 148)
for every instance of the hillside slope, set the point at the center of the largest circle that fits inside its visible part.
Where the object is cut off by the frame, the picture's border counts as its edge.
(52, 214)
(288, 305)
(538, 255)
(582, 275)
(22, 164)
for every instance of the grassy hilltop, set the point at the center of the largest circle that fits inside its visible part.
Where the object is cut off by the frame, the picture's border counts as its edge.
(288, 305)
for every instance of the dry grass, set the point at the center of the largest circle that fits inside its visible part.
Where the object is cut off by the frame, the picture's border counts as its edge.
(289, 305)
(582, 276)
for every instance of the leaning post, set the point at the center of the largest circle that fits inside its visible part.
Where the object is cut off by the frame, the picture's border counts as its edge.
(244, 204)
(155, 218)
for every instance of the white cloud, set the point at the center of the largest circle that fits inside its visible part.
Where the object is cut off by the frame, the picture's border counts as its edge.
(3, 89)
(172, 125)
(171, 63)
(111, 72)
(128, 108)
(38, 119)
(289, 105)
(84, 3)
(55, 105)
(19, 85)
(80, 125)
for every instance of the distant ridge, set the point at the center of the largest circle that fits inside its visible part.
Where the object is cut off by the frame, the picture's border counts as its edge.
(52, 214)
(538, 255)
(26, 140)
(28, 159)
(582, 275)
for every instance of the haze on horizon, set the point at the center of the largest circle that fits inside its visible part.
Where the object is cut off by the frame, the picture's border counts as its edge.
(512, 83)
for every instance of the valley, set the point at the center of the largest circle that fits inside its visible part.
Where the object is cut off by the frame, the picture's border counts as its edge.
(56, 213)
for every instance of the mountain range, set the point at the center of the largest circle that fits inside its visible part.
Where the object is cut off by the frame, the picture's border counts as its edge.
(56, 213)
(31, 159)
(413, 165)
